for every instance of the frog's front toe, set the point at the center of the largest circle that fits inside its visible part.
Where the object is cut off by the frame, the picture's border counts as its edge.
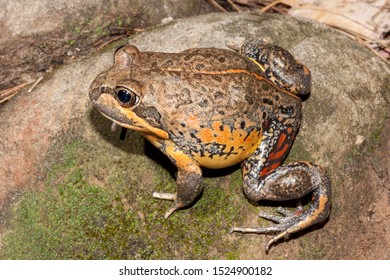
(168, 196)
(165, 196)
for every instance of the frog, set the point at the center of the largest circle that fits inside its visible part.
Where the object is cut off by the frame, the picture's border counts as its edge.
(216, 108)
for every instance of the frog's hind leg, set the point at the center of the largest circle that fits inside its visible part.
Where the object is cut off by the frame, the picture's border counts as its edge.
(292, 181)
(265, 179)
(189, 176)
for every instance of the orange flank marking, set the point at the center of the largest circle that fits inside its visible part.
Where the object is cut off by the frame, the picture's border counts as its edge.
(206, 135)
(268, 169)
(280, 149)
(228, 156)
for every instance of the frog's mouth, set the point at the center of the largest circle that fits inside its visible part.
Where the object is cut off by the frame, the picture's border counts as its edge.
(126, 117)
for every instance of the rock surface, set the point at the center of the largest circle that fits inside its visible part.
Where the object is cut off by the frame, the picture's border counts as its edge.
(350, 97)
(25, 18)
(50, 33)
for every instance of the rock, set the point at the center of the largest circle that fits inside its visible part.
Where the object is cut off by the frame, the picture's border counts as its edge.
(349, 97)
(360, 139)
(25, 18)
(49, 33)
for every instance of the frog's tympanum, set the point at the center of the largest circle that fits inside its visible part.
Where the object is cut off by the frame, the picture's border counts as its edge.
(214, 108)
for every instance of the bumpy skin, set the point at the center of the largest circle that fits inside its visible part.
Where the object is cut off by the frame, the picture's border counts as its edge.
(215, 108)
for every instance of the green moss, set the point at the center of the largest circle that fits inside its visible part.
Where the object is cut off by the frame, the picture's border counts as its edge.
(117, 218)
(72, 221)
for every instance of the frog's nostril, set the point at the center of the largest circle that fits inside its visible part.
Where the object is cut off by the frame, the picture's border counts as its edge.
(104, 89)
(95, 93)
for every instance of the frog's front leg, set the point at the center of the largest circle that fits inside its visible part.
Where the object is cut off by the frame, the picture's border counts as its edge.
(189, 176)
(264, 179)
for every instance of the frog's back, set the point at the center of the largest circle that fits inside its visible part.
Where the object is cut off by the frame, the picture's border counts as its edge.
(210, 83)
(210, 102)
(210, 60)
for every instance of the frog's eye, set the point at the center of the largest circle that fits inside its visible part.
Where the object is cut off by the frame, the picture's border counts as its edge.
(126, 97)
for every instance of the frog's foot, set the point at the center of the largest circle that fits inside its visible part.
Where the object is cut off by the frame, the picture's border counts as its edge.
(286, 223)
(169, 196)
(290, 181)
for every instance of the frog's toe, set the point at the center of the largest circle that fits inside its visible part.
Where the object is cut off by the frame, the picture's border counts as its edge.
(165, 196)
(176, 206)
(286, 215)
(169, 196)
(285, 224)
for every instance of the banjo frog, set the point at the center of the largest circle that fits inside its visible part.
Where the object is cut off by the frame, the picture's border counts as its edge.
(214, 108)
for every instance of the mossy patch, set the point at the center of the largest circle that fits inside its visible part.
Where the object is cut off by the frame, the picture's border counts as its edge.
(82, 216)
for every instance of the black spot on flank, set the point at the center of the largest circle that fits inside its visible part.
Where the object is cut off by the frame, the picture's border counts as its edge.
(221, 127)
(183, 124)
(222, 59)
(193, 135)
(199, 66)
(185, 90)
(203, 103)
(242, 125)
(217, 78)
(248, 133)
(218, 94)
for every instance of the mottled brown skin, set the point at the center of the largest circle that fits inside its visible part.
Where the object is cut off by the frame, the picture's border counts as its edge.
(215, 108)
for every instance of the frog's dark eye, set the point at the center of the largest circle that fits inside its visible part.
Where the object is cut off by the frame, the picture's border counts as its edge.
(126, 97)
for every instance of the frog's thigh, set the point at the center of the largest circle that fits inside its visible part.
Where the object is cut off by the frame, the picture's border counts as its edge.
(265, 179)
(189, 176)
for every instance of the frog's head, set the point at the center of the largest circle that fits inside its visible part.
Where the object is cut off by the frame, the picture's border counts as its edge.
(120, 97)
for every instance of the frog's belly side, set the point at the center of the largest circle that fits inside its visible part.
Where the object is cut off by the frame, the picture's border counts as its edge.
(220, 146)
